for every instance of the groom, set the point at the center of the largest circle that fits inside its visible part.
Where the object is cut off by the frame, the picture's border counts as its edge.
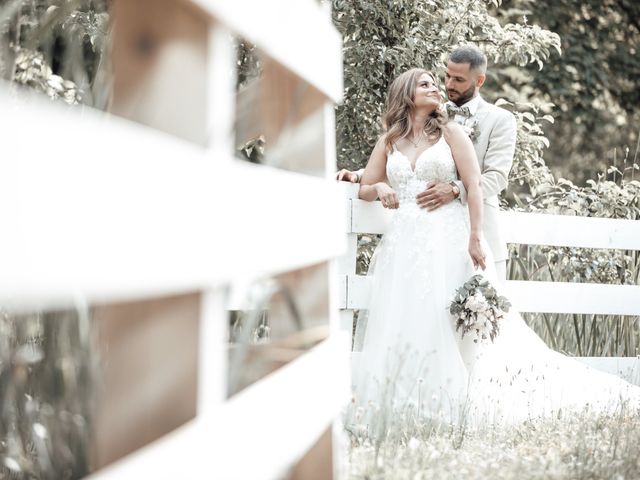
(493, 132)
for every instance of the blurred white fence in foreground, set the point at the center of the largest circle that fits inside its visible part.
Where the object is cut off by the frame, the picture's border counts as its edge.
(101, 210)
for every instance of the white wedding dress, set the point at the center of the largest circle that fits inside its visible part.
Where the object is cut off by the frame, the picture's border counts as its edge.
(409, 362)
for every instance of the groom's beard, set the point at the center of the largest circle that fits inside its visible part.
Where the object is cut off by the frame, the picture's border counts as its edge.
(463, 97)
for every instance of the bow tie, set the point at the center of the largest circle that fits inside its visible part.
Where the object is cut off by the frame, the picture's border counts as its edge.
(453, 110)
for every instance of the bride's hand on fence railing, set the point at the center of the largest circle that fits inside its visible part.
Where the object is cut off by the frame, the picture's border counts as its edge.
(476, 252)
(387, 195)
(345, 175)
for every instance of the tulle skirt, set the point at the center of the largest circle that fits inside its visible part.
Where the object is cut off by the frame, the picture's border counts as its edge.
(409, 364)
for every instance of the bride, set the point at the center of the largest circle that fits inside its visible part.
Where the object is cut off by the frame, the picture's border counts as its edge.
(409, 364)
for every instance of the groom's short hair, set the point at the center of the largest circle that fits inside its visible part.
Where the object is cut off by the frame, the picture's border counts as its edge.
(472, 55)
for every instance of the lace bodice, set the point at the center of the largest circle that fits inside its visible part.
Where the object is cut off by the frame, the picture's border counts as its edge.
(451, 220)
(433, 164)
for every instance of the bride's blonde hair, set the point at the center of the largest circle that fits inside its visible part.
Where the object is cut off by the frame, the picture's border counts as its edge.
(400, 106)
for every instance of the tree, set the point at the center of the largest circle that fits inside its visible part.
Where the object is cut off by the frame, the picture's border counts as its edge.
(57, 48)
(595, 85)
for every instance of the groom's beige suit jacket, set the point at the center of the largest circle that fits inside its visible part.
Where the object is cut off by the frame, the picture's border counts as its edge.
(495, 146)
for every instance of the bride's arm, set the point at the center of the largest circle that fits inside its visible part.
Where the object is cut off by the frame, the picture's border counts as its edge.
(469, 171)
(372, 183)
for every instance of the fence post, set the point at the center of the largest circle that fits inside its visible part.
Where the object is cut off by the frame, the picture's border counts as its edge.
(346, 264)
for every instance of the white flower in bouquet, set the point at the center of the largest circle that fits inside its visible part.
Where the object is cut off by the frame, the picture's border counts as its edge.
(481, 319)
(477, 303)
(484, 324)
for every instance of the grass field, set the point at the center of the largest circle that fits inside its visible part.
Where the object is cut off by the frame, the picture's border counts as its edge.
(575, 446)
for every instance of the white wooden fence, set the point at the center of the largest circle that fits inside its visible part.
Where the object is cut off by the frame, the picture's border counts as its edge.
(105, 210)
(529, 296)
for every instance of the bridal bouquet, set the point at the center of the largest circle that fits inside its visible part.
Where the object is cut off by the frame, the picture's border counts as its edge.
(477, 308)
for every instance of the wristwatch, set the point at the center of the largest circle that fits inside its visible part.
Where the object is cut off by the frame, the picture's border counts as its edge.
(454, 189)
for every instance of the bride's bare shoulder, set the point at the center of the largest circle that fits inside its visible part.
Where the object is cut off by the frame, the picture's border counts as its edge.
(381, 144)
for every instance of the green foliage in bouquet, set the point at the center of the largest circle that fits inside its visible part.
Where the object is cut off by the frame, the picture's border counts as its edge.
(477, 307)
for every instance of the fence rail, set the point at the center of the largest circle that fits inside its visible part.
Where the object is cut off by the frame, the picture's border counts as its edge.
(298, 45)
(520, 227)
(526, 296)
(128, 212)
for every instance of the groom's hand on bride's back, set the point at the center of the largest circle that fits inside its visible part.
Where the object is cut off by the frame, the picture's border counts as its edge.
(435, 195)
